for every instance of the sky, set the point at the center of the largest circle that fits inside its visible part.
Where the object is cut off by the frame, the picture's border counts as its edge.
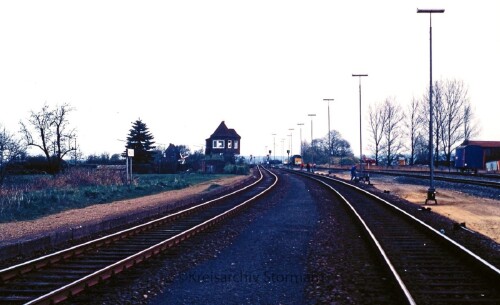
(182, 67)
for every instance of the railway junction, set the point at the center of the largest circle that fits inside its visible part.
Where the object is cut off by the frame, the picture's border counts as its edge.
(297, 243)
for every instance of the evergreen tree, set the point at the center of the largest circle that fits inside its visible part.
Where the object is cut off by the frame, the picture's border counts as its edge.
(141, 140)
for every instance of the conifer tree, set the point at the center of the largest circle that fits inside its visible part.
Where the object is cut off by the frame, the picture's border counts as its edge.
(141, 140)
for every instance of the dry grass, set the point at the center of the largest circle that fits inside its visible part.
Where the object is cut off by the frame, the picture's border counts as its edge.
(96, 213)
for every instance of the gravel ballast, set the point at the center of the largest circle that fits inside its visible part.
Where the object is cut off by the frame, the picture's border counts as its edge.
(265, 264)
(287, 248)
(258, 257)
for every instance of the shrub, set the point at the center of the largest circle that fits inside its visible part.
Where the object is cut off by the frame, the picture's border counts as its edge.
(236, 169)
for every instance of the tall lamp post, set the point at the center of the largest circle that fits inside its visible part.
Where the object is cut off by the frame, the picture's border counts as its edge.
(360, 137)
(312, 150)
(289, 151)
(329, 135)
(282, 150)
(291, 138)
(274, 146)
(301, 124)
(431, 192)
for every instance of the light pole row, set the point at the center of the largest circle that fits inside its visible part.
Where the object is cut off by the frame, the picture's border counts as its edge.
(291, 137)
(431, 191)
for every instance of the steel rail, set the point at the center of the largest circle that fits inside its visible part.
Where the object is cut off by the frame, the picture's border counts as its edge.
(422, 175)
(495, 271)
(485, 271)
(487, 180)
(397, 278)
(43, 261)
(96, 277)
(80, 285)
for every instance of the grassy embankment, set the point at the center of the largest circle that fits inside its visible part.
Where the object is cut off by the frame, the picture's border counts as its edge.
(31, 197)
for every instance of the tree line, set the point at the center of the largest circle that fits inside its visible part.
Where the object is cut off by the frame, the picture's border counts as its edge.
(396, 132)
(403, 133)
(49, 131)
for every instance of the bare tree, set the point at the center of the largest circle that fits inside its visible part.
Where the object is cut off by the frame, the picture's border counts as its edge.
(421, 149)
(339, 147)
(471, 129)
(338, 144)
(376, 123)
(49, 130)
(455, 99)
(392, 134)
(453, 119)
(10, 150)
(437, 120)
(439, 116)
(414, 123)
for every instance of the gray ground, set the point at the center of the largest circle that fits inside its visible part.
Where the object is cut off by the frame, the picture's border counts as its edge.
(265, 264)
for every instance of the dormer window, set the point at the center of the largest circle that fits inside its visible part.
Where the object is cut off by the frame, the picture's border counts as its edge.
(235, 144)
(229, 144)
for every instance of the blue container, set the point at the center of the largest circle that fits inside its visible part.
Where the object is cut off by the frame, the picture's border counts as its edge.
(469, 157)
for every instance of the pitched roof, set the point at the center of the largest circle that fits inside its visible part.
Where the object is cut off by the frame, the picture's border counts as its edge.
(223, 131)
(481, 143)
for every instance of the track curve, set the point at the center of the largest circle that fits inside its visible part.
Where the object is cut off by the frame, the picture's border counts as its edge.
(432, 268)
(55, 278)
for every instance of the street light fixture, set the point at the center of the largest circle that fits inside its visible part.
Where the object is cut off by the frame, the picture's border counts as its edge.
(431, 192)
(329, 135)
(301, 124)
(360, 137)
(312, 150)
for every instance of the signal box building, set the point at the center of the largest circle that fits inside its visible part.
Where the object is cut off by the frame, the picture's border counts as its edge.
(220, 149)
(224, 141)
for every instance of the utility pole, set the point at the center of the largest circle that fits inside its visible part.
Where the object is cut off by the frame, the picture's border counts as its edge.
(329, 135)
(312, 150)
(301, 124)
(431, 192)
(360, 137)
(274, 146)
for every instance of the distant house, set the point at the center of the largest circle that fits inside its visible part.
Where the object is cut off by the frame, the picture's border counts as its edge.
(224, 142)
(171, 153)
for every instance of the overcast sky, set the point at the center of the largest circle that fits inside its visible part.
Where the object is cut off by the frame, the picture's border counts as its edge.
(260, 66)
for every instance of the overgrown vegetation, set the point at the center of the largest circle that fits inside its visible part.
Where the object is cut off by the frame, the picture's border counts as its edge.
(31, 197)
(237, 169)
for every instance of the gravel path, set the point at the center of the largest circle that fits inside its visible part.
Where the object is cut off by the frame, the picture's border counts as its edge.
(265, 264)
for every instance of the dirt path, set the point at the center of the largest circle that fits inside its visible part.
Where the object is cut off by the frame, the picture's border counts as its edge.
(479, 214)
(96, 213)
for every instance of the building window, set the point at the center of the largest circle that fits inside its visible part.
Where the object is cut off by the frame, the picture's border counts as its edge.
(218, 144)
(229, 144)
(235, 144)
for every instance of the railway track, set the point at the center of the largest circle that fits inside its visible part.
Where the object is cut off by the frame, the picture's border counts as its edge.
(425, 266)
(54, 278)
(487, 181)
